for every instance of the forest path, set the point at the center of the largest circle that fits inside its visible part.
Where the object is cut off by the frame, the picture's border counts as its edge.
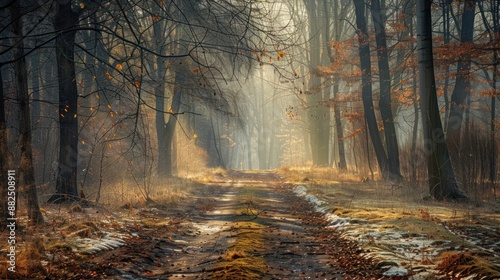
(253, 225)
(258, 229)
(245, 225)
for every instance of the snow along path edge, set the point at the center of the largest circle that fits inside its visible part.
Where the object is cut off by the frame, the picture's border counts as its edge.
(407, 248)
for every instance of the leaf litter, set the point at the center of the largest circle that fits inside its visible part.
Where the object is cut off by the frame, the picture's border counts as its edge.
(244, 225)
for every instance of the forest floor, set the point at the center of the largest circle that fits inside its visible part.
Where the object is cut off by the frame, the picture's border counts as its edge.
(266, 225)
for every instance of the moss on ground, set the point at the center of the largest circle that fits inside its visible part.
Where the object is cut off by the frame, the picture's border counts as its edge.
(243, 259)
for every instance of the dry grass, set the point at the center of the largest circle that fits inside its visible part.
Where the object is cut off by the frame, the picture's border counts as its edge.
(460, 264)
(234, 254)
(161, 191)
(318, 175)
(404, 208)
(208, 175)
(29, 260)
(240, 261)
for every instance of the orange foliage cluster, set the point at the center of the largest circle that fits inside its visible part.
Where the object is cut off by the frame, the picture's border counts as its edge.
(344, 66)
(490, 92)
(353, 133)
(353, 116)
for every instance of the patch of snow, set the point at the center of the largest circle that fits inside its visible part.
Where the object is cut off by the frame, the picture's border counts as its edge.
(207, 228)
(319, 205)
(423, 276)
(92, 245)
(396, 271)
(300, 190)
(390, 244)
(340, 222)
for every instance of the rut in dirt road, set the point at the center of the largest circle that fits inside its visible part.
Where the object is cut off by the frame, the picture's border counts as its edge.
(258, 229)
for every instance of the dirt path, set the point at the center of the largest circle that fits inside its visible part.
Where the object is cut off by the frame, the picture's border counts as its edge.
(244, 226)
(260, 230)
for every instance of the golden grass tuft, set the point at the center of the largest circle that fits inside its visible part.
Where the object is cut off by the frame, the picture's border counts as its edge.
(241, 261)
(234, 254)
(29, 260)
(58, 245)
(317, 175)
(462, 264)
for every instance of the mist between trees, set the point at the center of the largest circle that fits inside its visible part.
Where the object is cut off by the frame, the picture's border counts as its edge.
(102, 93)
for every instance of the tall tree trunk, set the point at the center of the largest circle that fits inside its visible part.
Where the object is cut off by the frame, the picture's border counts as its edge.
(402, 53)
(342, 165)
(493, 28)
(219, 160)
(493, 149)
(442, 181)
(170, 127)
(493, 153)
(447, 36)
(385, 91)
(249, 150)
(366, 89)
(3, 157)
(26, 169)
(160, 131)
(414, 155)
(36, 111)
(65, 22)
(160, 68)
(318, 115)
(463, 83)
(262, 151)
(340, 131)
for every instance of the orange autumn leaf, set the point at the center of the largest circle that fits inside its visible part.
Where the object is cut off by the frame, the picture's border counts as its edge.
(195, 70)
(119, 67)
(137, 84)
(281, 54)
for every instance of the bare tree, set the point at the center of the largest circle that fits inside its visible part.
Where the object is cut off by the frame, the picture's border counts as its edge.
(442, 181)
(4, 155)
(385, 90)
(318, 113)
(366, 88)
(65, 24)
(26, 169)
(462, 87)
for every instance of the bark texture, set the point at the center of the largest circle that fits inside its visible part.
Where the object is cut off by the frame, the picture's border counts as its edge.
(442, 181)
(65, 23)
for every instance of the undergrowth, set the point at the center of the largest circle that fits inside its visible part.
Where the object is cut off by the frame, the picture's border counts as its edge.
(462, 264)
